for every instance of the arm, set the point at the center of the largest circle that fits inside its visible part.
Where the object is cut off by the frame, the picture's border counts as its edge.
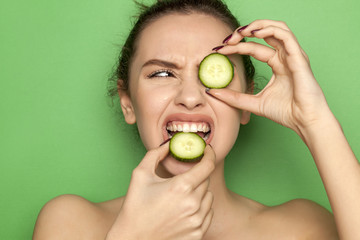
(340, 172)
(154, 208)
(294, 99)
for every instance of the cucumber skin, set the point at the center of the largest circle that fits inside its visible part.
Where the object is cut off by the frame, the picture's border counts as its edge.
(232, 70)
(188, 160)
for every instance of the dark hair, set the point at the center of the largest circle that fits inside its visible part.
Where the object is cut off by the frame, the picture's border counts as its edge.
(148, 14)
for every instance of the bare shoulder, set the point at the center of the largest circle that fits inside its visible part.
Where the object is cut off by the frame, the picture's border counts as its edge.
(74, 217)
(302, 219)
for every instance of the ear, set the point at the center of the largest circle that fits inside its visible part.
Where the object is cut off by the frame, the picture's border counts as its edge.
(126, 104)
(245, 117)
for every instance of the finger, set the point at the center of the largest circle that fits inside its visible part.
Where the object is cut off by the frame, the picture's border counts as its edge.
(202, 189)
(275, 43)
(305, 55)
(261, 24)
(256, 50)
(201, 171)
(286, 37)
(201, 217)
(207, 221)
(243, 31)
(291, 46)
(235, 38)
(206, 204)
(276, 30)
(153, 157)
(238, 100)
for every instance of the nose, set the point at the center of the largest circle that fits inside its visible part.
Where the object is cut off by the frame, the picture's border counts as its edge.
(191, 94)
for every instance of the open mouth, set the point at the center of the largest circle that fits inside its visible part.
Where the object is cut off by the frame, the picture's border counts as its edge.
(202, 129)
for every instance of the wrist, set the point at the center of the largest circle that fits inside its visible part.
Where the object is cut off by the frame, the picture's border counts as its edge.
(324, 126)
(124, 228)
(122, 234)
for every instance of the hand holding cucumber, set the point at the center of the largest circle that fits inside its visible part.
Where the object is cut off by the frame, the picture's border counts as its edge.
(292, 97)
(165, 206)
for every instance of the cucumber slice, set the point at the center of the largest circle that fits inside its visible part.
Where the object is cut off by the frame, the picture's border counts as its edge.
(187, 146)
(216, 71)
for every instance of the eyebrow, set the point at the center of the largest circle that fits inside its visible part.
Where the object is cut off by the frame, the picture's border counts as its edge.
(161, 63)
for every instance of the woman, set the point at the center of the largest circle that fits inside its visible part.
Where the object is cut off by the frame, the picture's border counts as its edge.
(158, 87)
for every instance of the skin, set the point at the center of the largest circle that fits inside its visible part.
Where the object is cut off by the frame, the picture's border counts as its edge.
(191, 201)
(181, 93)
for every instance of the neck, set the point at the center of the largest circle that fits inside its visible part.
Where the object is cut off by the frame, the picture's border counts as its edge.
(224, 205)
(218, 186)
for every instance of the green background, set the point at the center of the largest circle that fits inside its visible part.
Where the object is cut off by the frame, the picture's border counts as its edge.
(59, 135)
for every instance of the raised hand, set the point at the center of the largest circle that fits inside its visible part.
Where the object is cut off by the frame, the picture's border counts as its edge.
(292, 97)
(171, 208)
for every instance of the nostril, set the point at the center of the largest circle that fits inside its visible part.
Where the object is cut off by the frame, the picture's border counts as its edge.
(191, 105)
(190, 97)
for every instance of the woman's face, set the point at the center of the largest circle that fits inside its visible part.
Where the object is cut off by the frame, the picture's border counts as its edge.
(166, 93)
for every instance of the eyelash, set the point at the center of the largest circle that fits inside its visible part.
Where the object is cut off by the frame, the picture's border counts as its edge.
(169, 73)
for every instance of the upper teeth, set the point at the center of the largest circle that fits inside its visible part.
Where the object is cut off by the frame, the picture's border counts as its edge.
(188, 127)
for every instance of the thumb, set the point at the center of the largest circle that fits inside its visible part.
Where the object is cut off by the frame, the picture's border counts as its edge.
(153, 157)
(235, 99)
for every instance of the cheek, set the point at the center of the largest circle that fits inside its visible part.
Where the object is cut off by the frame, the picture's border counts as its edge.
(227, 130)
(229, 117)
(231, 123)
(234, 125)
(149, 105)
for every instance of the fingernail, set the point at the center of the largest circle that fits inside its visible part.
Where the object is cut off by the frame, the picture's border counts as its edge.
(207, 91)
(217, 48)
(165, 142)
(227, 38)
(242, 28)
(254, 31)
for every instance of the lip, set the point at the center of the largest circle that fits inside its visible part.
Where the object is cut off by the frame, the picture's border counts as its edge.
(183, 117)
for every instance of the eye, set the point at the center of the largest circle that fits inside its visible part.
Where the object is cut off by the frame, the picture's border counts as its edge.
(161, 73)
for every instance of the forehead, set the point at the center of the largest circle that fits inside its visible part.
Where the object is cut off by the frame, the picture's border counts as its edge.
(180, 37)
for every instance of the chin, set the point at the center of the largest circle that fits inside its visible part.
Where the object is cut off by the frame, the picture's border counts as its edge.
(175, 167)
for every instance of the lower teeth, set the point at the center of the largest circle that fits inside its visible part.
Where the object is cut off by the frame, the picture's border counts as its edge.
(206, 136)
